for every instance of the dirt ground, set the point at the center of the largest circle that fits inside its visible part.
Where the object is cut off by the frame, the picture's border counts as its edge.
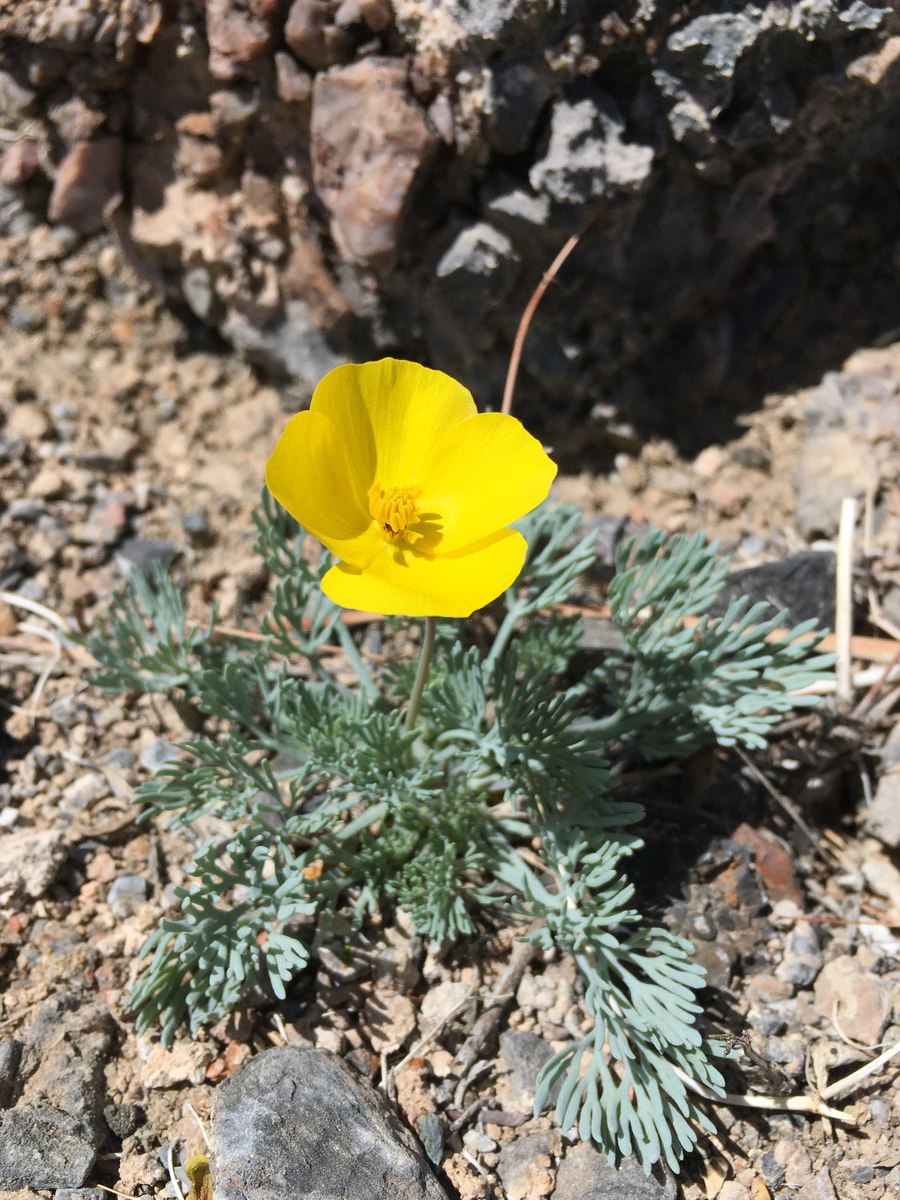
(127, 439)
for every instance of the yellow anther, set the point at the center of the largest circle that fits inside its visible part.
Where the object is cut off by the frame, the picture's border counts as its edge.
(394, 510)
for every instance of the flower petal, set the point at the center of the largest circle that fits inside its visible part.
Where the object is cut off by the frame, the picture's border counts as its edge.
(309, 474)
(420, 585)
(482, 475)
(391, 414)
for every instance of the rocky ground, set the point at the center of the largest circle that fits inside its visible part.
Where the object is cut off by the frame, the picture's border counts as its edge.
(128, 438)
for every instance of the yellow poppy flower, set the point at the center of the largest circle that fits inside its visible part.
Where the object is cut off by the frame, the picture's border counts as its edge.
(396, 471)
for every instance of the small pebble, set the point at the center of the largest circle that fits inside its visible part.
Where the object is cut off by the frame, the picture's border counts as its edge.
(126, 894)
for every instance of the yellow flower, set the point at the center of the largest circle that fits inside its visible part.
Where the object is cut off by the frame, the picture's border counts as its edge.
(395, 470)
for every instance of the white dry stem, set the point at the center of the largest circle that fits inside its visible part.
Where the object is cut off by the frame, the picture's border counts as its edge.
(850, 1081)
(843, 611)
(38, 610)
(173, 1178)
(808, 1104)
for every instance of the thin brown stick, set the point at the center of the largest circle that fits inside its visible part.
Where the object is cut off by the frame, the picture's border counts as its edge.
(505, 990)
(530, 309)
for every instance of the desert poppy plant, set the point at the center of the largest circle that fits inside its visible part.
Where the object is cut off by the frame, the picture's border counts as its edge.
(413, 490)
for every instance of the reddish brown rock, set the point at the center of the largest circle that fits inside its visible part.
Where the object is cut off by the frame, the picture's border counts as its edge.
(314, 38)
(239, 33)
(88, 185)
(19, 162)
(306, 277)
(370, 142)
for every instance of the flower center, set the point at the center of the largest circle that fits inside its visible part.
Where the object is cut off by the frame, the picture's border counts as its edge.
(394, 510)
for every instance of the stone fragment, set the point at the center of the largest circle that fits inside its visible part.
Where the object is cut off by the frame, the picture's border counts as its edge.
(585, 1174)
(518, 92)
(15, 97)
(66, 1052)
(449, 998)
(239, 33)
(819, 1187)
(774, 863)
(521, 1056)
(293, 83)
(29, 862)
(296, 1121)
(144, 554)
(370, 142)
(185, 1062)
(853, 999)
(702, 57)
(391, 1018)
(525, 1166)
(88, 185)
(10, 1057)
(588, 154)
(882, 817)
(480, 262)
(314, 37)
(802, 959)
(126, 895)
(76, 121)
(44, 1148)
(802, 584)
(835, 458)
(794, 1158)
(19, 162)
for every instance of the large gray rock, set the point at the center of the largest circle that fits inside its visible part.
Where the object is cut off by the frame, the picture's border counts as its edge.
(296, 1121)
(44, 1148)
(585, 1174)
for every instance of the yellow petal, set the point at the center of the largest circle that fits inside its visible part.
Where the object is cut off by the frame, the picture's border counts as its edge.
(424, 585)
(482, 475)
(391, 414)
(309, 474)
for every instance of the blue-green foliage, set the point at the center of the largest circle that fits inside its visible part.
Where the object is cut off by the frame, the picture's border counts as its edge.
(313, 798)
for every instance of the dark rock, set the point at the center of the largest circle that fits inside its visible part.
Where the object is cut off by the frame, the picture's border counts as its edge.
(585, 1174)
(66, 1052)
(123, 1119)
(801, 584)
(88, 185)
(518, 93)
(370, 142)
(44, 1148)
(588, 154)
(298, 1122)
(10, 1057)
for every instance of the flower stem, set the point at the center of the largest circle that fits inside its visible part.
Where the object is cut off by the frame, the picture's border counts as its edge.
(415, 699)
